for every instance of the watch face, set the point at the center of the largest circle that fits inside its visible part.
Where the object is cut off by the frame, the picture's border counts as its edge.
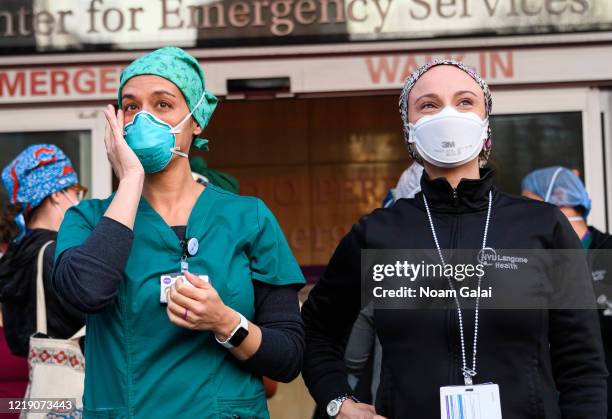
(238, 337)
(333, 408)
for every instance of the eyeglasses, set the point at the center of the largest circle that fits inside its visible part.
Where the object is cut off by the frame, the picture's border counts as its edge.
(80, 191)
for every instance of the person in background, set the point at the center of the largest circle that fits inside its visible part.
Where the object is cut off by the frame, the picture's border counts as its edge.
(14, 369)
(562, 187)
(42, 185)
(408, 185)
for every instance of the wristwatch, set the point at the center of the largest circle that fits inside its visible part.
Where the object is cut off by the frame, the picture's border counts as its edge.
(237, 335)
(333, 407)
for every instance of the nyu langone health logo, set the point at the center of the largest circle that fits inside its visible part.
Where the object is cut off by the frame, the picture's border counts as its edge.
(491, 257)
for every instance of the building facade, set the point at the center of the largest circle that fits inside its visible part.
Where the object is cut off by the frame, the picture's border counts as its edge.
(308, 118)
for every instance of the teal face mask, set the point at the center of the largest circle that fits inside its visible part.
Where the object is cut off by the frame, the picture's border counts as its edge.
(153, 140)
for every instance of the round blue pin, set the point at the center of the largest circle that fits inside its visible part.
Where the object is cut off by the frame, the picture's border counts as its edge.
(192, 246)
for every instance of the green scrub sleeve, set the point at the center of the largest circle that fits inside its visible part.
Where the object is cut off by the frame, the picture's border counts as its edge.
(75, 229)
(271, 259)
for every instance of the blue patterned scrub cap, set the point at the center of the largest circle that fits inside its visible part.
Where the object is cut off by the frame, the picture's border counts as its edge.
(37, 172)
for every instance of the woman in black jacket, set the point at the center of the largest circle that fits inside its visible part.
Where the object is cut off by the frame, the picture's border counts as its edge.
(548, 363)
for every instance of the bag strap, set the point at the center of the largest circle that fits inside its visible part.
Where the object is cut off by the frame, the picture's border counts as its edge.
(78, 335)
(41, 306)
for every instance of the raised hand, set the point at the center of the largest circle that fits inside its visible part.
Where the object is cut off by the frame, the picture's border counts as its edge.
(122, 158)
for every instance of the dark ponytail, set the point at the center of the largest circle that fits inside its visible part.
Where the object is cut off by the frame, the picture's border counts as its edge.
(8, 226)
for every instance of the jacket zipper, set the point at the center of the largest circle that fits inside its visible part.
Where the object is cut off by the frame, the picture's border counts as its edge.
(453, 317)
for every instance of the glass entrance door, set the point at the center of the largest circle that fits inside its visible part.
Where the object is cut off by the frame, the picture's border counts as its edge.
(523, 142)
(538, 128)
(77, 131)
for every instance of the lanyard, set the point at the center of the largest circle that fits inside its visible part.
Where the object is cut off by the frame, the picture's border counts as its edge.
(468, 373)
(190, 248)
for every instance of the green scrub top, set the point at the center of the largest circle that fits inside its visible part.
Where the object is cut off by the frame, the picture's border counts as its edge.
(138, 363)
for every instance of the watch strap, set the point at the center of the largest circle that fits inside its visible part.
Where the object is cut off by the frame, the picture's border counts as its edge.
(342, 399)
(237, 335)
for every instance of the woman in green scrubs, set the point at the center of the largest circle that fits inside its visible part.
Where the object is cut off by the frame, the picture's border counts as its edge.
(159, 344)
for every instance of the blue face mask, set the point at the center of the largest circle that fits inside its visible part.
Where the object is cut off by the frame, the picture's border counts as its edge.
(153, 140)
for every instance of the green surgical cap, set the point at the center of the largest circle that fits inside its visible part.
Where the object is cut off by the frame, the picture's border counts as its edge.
(177, 66)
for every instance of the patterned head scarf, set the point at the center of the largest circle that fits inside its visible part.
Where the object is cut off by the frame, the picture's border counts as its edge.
(180, 68)
(37, 172)
(411, 81)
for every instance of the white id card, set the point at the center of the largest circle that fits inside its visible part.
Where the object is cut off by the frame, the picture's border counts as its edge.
(167, 280)
(470, 402)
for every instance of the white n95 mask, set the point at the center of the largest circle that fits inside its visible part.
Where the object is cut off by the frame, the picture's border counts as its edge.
(449, 138)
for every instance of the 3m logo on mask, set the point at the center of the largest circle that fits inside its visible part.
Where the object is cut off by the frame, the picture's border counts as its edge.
(449, 138)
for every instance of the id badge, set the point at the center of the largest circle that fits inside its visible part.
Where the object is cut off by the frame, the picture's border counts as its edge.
(470, 402)
(167, 280)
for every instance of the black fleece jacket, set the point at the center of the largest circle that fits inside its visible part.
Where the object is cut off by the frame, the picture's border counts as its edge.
(548, 363)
